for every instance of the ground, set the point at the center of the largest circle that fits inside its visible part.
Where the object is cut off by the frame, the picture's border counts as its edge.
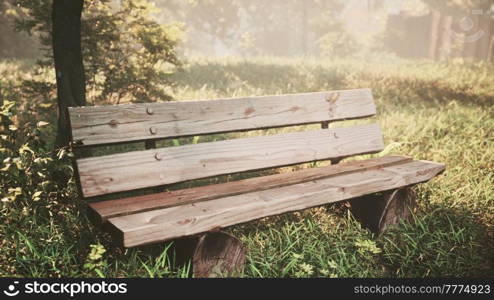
(442, 112)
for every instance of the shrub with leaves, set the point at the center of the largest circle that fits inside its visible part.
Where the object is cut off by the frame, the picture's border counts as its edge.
(25, 173)
(337, 44)
(127, 55)
(95, 259)
(38, 202)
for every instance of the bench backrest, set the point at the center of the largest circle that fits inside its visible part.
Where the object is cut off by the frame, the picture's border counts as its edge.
(103, 125)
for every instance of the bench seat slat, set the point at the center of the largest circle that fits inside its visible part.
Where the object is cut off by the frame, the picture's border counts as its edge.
(178, 221)
(101, 211)
(97, 125)
(141, 169)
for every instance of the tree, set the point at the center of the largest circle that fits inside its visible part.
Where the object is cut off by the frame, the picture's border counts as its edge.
(253, 27)
(289, 27)
(462, 26)
(207, 21)
(127, 56)
(69, 68)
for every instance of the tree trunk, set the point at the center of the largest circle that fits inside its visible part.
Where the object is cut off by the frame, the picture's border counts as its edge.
(491, 44)
(69, 69)
(433, 38)
(304, 27)
(445, 50)
(491, 50)
(471, 43)
(483, 42)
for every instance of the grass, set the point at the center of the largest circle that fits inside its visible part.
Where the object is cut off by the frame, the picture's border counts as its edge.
(435, 111)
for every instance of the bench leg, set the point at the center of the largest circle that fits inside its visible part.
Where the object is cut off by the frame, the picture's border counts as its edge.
(218, 254)
(379, 211)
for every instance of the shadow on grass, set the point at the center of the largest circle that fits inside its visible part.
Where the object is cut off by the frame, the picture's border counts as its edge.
(297, 78)
(414, 90)
(271, 78)
(440, 241)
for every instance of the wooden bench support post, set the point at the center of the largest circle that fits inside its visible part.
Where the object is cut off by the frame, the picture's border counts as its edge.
(334, 161)
(218, 254)
(379, 211)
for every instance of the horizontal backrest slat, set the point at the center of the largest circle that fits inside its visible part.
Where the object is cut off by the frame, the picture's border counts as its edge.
(96, 125)
(141, 169)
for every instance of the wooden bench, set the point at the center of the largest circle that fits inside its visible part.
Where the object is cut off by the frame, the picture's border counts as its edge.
(161, 216)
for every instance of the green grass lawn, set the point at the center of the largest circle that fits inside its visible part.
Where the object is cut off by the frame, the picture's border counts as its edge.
(442, 112)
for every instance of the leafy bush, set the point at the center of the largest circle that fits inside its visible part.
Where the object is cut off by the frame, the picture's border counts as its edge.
(127, 55)
(44, 231)
(37, 199)
(337, 44)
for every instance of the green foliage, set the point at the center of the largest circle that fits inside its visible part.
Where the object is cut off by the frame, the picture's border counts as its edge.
(207, 21)
(127, 55)
(256, 27)
(35, 185)
(337, 44)
(315, 243)
(44, 231)
(25, 160)
(312, 22)
(95, 259)
(332, 37)
(217, 18)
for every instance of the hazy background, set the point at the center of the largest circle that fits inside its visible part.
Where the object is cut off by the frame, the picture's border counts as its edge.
(424, 29)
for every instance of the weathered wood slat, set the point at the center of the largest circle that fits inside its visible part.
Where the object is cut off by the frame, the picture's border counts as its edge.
(184, 220)
(141, 169)
(103, 210)
(94, 125)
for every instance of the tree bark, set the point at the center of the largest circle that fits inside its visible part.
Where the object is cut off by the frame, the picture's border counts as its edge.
(491, 50)
(304, 27)
(471, 45)
(483, 42)
(69, 68)
(434, 33)
(445, 49)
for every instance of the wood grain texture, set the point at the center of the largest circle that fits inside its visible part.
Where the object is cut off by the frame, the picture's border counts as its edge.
(218, 254)
(101, 211)
(379, 211)
(399, 206)
(95, 125)
(148, 168)
(184, 220)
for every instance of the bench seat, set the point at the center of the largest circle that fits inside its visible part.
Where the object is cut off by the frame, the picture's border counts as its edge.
(151, 218)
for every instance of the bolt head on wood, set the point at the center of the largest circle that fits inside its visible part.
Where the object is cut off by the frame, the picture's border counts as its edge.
(113, 123)
(158, 156)
(149, 111)
(153, 130)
